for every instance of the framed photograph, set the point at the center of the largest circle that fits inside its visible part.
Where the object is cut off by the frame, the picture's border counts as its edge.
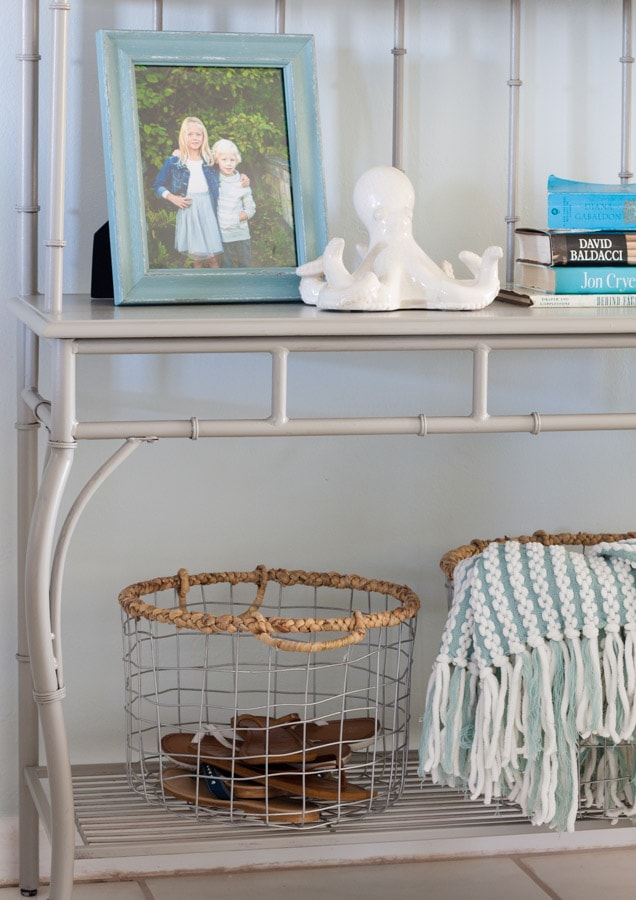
(213, 164)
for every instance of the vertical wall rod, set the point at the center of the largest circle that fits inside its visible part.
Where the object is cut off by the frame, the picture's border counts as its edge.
(398, 85)
(55, 238)
(627, 62)
(157, 15)
(279, 23)
(514, 85)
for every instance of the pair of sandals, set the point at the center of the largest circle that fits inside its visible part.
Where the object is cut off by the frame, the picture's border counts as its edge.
(269, 768)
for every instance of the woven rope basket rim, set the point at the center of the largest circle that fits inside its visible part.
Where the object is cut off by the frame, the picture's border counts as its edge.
(265, 627)
(581, 538)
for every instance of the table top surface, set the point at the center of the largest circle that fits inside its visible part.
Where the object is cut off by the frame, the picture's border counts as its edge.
(87, 318)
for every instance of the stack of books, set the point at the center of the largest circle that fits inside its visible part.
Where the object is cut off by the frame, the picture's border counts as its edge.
(587, 254)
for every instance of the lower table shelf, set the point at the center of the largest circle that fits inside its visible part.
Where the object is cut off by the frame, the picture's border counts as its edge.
(114, 821)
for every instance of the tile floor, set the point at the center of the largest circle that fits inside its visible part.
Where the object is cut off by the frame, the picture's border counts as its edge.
(581, 875)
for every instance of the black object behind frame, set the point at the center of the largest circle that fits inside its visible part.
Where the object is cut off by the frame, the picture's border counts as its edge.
(102, 265)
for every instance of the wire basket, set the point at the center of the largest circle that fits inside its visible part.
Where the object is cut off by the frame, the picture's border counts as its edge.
(607, 769)
(272, 695)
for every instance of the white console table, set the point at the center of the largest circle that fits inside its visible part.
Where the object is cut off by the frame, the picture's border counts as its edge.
(280, 330)
(76, 326)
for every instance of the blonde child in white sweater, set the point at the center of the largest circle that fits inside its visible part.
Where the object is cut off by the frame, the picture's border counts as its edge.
(235, 206)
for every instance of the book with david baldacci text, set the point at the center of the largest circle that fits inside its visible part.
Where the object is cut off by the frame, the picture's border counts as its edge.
(576, 248)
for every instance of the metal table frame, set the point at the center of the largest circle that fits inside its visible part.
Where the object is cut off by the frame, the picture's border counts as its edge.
(279, 330)
(76, 326)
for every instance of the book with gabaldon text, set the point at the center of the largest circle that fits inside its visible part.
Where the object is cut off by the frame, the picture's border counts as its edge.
(584, 205)
(576, 279)
(546, 299)
(576, 248)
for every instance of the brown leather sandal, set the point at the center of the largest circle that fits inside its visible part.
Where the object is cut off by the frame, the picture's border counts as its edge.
(181, 749)
(280, 743)
(196, 790)
(188, 749)
(358, 732)
(295, 782)
(185, 749)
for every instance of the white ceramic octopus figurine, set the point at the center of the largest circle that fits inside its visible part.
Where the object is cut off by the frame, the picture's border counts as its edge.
(395, 273)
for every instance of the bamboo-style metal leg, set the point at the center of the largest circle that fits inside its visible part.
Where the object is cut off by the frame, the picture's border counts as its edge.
(27, 426)
(27, 455)
(47, 690)
(27, 711)
(27, 756)
(61, 794)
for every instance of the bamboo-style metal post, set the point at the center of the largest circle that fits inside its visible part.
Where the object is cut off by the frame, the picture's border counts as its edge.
(627, 62)
(57, 163)
(279, 24)
(29, 58)
(398, 85)
(157, 15)
(514, 85)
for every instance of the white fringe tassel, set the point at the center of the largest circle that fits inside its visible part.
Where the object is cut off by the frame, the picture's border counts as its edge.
(515, 730)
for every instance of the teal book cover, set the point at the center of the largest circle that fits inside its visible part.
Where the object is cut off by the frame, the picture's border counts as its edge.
(581, 204)
(576, 279)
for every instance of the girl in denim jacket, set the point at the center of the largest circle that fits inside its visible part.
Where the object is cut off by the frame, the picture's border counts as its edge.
(190, 181)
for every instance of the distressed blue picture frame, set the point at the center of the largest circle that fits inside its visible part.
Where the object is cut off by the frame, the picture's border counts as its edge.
(135, 281)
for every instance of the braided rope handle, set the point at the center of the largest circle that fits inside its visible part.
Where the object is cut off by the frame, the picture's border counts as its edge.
(264, 628)
(453, 557)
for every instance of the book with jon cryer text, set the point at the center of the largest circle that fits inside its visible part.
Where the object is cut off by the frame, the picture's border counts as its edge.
(576, 279)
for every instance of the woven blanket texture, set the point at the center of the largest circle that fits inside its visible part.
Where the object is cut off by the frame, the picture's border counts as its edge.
(536, 674)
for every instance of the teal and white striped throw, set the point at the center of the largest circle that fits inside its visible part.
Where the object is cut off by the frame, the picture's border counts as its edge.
(538, 656)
